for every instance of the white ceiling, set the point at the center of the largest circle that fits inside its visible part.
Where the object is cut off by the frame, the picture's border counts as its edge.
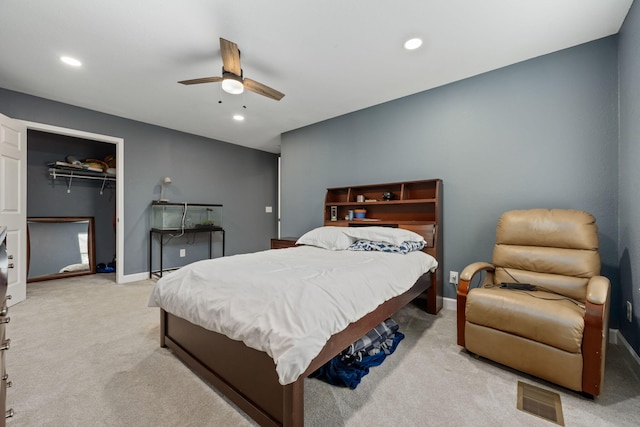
(329, 57)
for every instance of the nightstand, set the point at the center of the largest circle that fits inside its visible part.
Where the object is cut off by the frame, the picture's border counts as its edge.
(283, 242)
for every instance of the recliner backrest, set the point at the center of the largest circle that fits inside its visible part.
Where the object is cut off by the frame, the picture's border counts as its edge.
(554, 249)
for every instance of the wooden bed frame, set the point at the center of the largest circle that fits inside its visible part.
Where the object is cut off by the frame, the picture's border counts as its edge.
(248, 377)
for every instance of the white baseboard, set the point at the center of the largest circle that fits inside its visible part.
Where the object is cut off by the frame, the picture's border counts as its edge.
(134, 277)
(615, 337)
(449, 303)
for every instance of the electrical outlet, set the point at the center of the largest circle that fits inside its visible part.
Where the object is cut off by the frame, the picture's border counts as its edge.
(183, 253)
(453, 277)
(629, 310)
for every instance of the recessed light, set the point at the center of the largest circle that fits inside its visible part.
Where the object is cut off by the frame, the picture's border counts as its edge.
(71, 61)
(238, 117)
(412, 44)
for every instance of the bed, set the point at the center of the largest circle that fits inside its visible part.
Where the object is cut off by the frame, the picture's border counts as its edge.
(251, 376)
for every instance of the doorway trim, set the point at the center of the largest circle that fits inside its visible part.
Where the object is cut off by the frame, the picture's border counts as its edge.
(119, 142)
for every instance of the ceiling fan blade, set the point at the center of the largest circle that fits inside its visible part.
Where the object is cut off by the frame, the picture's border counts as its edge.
(201, 80)
(230, 57)
(261, 89)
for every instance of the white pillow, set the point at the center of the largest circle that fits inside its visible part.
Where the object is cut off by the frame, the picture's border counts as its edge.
(384, 234)
(332, 238)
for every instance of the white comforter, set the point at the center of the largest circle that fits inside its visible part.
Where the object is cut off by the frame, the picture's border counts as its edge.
(287, 302)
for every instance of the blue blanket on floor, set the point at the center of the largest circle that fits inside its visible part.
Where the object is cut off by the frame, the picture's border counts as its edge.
(348, 368)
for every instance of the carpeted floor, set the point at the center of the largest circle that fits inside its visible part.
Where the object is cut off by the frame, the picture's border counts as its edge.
(85, 352)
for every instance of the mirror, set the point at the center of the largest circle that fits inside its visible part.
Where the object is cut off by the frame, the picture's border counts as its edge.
(60, 247)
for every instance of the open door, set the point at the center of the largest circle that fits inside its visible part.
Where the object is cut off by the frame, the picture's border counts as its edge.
(13, 203)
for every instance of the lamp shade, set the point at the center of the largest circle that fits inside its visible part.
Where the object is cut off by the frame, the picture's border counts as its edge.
(165, 181)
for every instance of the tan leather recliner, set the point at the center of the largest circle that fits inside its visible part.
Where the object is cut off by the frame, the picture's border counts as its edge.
(557, 332)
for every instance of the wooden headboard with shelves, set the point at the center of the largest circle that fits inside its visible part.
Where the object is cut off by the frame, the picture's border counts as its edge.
(411, 205)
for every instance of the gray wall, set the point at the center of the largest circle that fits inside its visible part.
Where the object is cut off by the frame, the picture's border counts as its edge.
(542, 133)
(629, 244)
(203, 171)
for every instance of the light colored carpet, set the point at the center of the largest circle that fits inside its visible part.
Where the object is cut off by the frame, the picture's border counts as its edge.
(85, 352)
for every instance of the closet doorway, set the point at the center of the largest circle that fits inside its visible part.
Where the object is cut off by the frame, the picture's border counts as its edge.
(117, 216)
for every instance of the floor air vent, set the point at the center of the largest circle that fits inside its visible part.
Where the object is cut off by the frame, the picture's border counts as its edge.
(539, 402)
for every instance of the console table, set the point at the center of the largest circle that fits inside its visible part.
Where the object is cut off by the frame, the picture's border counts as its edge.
(161, 232)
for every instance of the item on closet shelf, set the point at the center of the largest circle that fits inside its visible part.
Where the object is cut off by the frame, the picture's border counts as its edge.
(360, 213)
(360, 198)
(73, 166)
(73, 160)
(97, 164)
(387, 195)
(111, 171)
(110, 161)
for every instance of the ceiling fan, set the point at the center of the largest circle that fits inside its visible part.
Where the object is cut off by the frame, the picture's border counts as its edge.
(232, 79)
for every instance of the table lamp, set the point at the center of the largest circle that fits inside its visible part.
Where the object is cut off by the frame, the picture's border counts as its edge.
(165, 182)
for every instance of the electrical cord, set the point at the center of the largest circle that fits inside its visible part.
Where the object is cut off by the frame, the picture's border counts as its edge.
(184, 215)
(562, 297)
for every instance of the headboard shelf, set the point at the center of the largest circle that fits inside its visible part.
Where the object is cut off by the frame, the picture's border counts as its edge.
(384, 202)
(414, 205)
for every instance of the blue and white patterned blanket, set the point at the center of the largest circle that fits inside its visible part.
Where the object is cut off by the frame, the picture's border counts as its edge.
(353, 363)
(403, 248)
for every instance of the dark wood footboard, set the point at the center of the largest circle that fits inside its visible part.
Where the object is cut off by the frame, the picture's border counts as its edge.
(248, 377)
(245, 375)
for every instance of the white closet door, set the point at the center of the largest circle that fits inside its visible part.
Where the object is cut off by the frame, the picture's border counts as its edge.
(13, 202)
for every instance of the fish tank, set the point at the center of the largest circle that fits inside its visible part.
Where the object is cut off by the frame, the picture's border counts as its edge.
(175, 216)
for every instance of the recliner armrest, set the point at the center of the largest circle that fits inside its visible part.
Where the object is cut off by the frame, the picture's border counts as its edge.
(463, 288)
(598, 290)
(470, 270)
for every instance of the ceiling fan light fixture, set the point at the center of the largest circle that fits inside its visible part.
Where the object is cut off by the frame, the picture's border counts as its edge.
(232, 86)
